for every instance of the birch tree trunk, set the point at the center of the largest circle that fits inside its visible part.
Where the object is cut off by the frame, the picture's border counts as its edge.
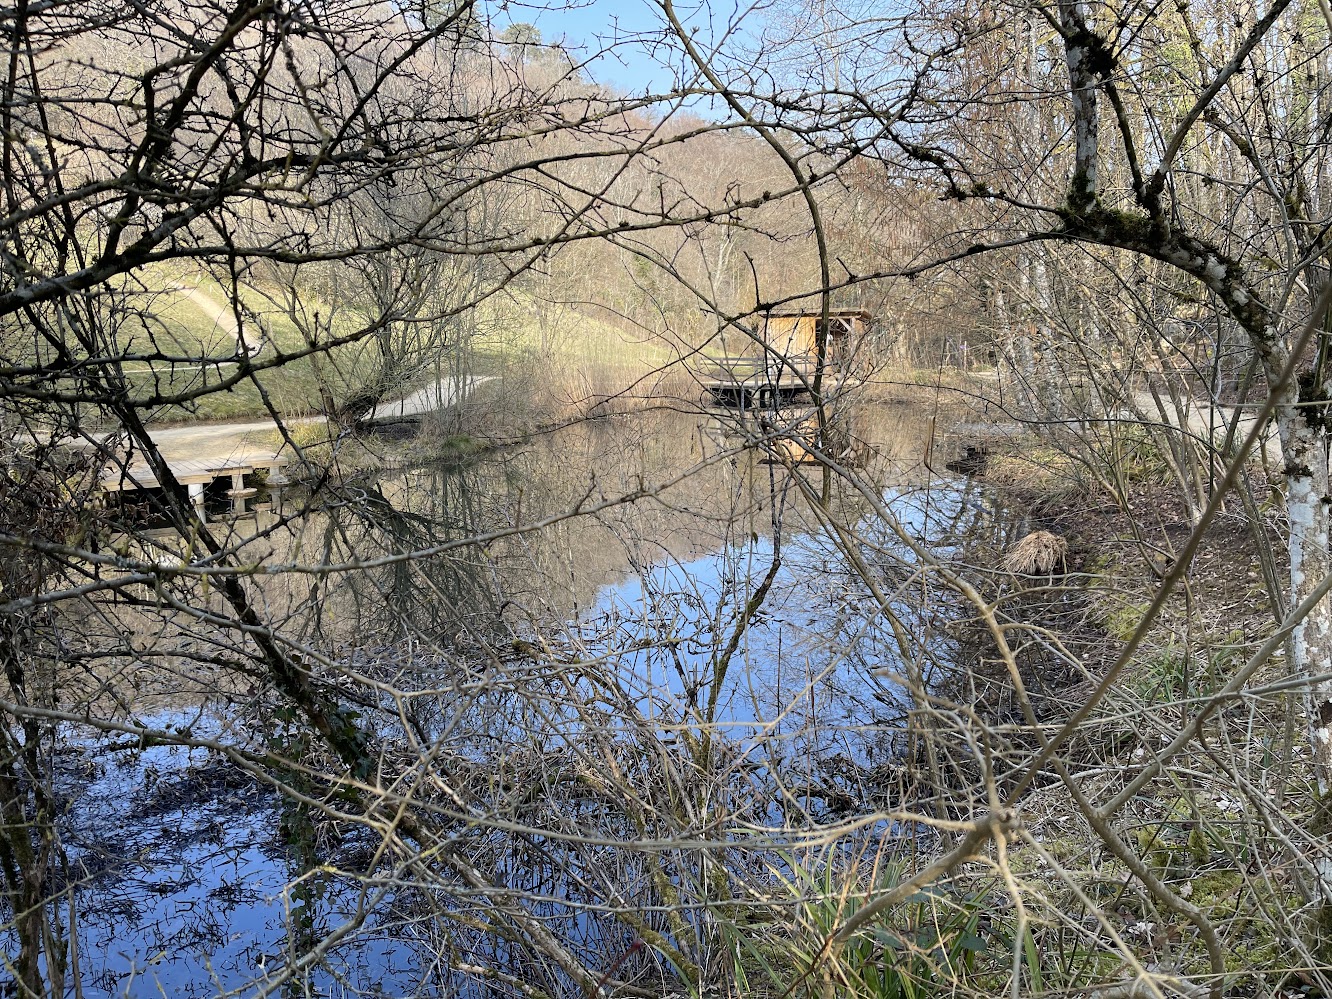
(1304, 445)
(1299, 397)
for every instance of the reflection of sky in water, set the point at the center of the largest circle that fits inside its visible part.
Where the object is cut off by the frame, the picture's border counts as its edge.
(807, 664)
(186, 892)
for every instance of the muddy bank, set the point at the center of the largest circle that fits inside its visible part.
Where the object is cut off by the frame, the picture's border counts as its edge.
(1118, 551)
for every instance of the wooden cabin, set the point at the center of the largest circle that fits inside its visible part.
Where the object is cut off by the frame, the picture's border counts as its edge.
(794, 333)
(783, 369)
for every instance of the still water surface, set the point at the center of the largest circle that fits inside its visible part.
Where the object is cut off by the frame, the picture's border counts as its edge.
(190, 890)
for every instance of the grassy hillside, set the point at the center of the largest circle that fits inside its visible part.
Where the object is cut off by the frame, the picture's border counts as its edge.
(519, 327)
(183, 338)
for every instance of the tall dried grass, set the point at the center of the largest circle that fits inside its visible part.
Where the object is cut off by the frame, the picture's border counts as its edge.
(590, 390)
(1039, 552)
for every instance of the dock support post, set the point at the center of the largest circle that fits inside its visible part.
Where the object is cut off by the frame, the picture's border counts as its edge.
(275, 481)
(238, 493)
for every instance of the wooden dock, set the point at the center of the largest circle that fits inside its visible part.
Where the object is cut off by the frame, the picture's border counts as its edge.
(783, 366)
(238, 472)
(765, 382)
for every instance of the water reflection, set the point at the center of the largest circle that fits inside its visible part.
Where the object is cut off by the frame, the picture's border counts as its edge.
(701, 488)
(814, 663)
(590, 677)
(192, 893)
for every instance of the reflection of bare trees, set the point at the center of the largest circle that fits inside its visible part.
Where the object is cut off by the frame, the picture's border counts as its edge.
(527, 757)
(32, 643)
(754, 754)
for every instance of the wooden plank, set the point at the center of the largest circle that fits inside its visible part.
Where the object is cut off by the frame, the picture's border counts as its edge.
(188, 471)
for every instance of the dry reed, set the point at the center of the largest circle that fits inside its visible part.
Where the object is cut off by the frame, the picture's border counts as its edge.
(1038, 552)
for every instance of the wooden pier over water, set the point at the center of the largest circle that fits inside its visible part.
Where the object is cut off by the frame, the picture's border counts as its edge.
(758, 382)
(237, 474)
(783, 367)
(232, 461)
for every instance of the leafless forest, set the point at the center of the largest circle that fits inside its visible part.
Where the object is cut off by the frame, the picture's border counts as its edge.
(393, 601)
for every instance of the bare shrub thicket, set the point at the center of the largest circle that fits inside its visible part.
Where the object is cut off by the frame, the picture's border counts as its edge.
(852, 727)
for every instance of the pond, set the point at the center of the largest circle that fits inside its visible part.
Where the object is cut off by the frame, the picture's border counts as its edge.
(813, 662)
(544, 691)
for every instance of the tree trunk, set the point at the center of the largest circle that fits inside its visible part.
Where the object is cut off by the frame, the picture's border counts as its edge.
(1309, 506)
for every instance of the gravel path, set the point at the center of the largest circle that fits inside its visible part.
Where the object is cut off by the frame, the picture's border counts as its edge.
(256, 443)
(1210, 420)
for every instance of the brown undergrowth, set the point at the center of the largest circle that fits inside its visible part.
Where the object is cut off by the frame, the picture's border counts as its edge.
(1210, 831)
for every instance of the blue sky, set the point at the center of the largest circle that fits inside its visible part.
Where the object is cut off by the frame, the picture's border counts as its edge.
(588, 26)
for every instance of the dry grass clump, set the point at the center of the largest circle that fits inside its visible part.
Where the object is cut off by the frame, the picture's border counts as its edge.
(618, 389)
(1038, 552)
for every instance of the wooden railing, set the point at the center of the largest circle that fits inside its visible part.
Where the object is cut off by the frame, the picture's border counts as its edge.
(747, 368)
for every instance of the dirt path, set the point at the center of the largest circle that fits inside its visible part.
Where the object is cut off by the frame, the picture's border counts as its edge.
(1209, 421)
(223, 318)
(256, 439)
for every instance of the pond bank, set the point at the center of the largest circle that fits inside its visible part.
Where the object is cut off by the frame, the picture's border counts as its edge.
(633, 675)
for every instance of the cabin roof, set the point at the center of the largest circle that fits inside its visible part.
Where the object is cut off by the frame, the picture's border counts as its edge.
(791, 313)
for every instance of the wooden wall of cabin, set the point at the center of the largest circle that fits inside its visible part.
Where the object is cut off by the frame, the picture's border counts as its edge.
(796, 337)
